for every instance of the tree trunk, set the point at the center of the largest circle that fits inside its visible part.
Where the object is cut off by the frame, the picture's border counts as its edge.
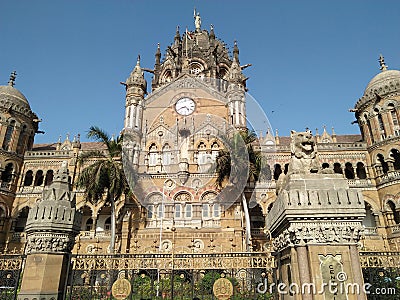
(247, 221)
(112, 240)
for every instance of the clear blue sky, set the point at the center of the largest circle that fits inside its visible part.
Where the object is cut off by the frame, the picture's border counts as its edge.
(311, 59)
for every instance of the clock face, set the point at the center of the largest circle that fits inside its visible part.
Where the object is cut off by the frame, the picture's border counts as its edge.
(185, 106)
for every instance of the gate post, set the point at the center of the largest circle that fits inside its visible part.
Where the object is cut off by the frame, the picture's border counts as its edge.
(51, 228)
(316, 223)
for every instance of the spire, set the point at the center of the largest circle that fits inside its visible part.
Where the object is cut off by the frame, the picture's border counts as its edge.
(382, 63)
(158, 54)
(235, 51)
(137, 76)
(177, 37)
(13, 76)
(235, 72)
(212, 34)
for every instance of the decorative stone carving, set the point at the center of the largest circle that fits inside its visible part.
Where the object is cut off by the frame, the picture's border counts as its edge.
(54, 222)
(304, 154)
(319, 233)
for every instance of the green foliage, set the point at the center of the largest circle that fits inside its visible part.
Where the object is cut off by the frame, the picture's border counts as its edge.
(104, 173)
(239, 154)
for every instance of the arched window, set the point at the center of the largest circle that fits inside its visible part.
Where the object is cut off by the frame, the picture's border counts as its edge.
(107, 224)
(49, 177)
(369, 220)
(385, 167)
(21, 139)
(21, 220)
(277, 171)
(381, 126)
(8, 135)
(89, 224)
(150, 210)
(166, 153)
(325, 166)
(7, 174)
(371, 134)
(216, 210)
(28, 178)
(286, 169)
(153, 155)
(214, 150)
(349, 171)
(202, 154)
(160, 211)
(396, 156)
(178, 211)
(39, 178)
(337, 168)
(396, 215)
(360, 170)
(266, 172)
(206, 210)
(394, 117)
(188, 211)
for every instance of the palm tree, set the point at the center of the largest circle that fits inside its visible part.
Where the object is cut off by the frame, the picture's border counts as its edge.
(104, 175)
(239, 165)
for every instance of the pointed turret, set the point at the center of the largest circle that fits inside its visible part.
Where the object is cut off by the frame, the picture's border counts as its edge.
(137, 77)
(236, 93)
(235, 52)
(135, 92)
(177, 38)
(157, 68)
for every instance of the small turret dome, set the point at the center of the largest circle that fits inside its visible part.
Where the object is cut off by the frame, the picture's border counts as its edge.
(13, 96)
(384, 84)
(137, 76)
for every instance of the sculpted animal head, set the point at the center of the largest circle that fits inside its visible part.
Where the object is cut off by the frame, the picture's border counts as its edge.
(302, 144)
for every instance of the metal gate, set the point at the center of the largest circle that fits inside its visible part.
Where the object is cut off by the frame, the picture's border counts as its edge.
(167, 276)
(11, 266)
(381, 271)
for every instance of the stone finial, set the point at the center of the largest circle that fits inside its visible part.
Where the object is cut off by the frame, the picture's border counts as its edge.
(235, 51)
(13, 76)
(382, 63)
(212, 34)
(158, 54)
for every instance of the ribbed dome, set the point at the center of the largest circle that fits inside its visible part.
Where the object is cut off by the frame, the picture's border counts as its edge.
(383, 81)
(9, 93)
(383, 84)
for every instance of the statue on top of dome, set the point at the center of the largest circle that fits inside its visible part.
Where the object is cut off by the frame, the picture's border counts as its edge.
(197, 20)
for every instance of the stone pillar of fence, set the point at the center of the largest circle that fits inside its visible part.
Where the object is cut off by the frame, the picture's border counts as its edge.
(51, 228)
(316, 224)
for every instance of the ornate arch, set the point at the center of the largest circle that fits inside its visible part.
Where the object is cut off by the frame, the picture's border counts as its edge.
(183, 196)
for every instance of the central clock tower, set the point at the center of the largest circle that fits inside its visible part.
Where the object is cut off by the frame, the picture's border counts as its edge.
(174, 134)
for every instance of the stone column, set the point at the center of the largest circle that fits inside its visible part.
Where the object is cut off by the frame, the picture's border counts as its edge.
(355, 264)
(304, 271)
(51, 228)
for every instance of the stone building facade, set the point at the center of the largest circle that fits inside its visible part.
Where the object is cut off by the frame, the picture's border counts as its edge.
(175, 133)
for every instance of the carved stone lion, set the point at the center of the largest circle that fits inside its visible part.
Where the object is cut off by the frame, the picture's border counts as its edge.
(304, 154)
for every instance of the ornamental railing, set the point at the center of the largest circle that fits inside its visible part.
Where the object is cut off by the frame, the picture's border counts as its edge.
(379, 259)
(192, 261)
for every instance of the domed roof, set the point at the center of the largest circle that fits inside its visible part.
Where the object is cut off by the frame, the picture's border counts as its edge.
(383, 80)
(9, 93)
(383, 84)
